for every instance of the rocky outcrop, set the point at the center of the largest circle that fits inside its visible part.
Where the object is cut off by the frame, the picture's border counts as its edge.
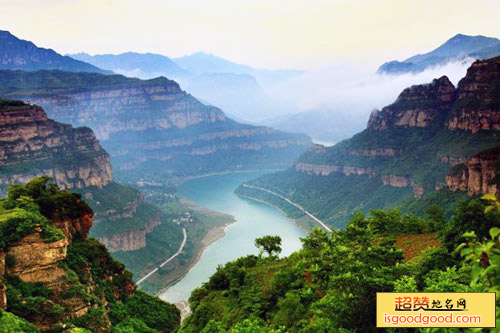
(79, 226)
(451, 160)
(33, 145)
(126, 211)
(478, 106)
(396, 181)
(131, 240)
(375, 152)
(325, 170)
(417, 106)
(387, 180)
(37, 261)
(473, 106)
(142, 121)
(478, 175)
(55, 278)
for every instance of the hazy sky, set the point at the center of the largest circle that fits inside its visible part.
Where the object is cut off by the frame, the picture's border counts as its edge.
(265, 33)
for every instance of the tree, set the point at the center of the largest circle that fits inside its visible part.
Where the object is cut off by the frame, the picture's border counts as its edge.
(269, 244)
(471, 216)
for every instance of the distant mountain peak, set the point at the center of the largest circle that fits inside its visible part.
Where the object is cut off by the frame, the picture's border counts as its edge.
(202, 53)
(21, 54)
(135, 64)
(457, 48)
(5, 33)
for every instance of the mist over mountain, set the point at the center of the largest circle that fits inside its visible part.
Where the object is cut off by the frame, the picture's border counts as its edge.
(330, 98)
(459, 47)
(407, 149)
(17, 53)
(140, 65)
(204, 63)
(235, 88)
(238, 94)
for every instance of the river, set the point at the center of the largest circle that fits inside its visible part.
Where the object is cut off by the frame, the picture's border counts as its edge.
(253, 220)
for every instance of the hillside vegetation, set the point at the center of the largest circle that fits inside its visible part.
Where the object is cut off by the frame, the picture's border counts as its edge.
(330, 285)
(56, 278)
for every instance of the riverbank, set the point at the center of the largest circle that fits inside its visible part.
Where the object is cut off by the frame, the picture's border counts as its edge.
(300, 222)
(221, 173)
(203, 227)
(222, 245)
(211, 235)
(296, 205)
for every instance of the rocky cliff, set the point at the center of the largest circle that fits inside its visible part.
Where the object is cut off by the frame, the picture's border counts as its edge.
(417, 106)
(406, 151)
(33, 145)
(478, 175)
(147, 123)
(56, 278)
(127, 230)
(478, 98)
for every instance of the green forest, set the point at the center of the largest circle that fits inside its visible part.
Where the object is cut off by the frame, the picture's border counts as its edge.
(330, 285)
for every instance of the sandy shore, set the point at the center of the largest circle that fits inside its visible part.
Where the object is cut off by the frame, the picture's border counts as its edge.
(211, 237)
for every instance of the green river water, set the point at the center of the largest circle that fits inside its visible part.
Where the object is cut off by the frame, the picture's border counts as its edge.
(253, 220)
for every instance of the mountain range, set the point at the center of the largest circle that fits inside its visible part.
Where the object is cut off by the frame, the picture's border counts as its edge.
(154, 132)
(237, 89)
(335, 102)
(431, 146)
(16, 53)
(132, 64)
(435, 145)
(152, 127)
(457, 48)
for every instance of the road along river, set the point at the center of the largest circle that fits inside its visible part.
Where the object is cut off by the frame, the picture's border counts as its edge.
(253, 220)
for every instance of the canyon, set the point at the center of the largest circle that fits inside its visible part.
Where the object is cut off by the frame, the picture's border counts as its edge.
(434, 137)
(33, 145)
(153, 127)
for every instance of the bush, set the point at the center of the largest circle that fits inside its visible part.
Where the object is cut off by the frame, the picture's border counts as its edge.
(133, 325)
(10, 323)
(153, 312)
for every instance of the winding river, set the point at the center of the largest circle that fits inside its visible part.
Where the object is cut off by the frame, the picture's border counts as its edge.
(253, 220)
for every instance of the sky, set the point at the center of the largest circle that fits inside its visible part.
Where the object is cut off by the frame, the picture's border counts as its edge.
(301, 34)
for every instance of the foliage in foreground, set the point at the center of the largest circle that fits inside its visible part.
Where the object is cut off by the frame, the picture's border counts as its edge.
(331, 283)
(91, 276)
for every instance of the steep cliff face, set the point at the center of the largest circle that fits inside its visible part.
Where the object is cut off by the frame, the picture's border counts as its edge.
(478, 98)
(478, 175)
(37, 261)
(417, 106)
(376, 152)
(133, 105)
(128, 231)
(325, 170)
(56, 278)
(33, 145)
(147, 123)
(406, 151)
